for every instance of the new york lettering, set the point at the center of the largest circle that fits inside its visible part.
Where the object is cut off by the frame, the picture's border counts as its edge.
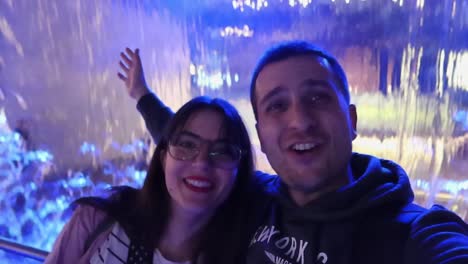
(289, 246)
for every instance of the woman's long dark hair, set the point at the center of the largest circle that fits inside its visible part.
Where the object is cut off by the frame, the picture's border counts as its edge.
(144, 213)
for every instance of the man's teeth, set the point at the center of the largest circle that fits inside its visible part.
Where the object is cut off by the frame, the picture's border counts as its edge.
(200, 184)
(302, 147)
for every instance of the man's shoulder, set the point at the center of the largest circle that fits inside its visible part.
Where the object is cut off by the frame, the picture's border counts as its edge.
(410, 221)
(434, 226)
(438, 235)
(438, 216)
(265, 177)
(418, 216)
(267, 182)
(390, 222)
(409, 213)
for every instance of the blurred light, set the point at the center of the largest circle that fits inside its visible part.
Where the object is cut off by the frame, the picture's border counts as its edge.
(418, 62)
(454, 8)
(213, 81)
(21, 102)
(254, 5)
(228, 79)
(259, 4)
(62, 203)
(454, 187)
(87, 148)
(461, 117)
(236, 77)
(193, 69)
(3, 119)
(43, 156)
(411, 60)
(422, 185)
(139, 176)
(420, 4)
(440, 72)
(456, 70)
(79, 180)
(305, 3)
(245, 32)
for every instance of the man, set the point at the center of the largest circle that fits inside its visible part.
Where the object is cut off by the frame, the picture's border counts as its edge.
(328, 205)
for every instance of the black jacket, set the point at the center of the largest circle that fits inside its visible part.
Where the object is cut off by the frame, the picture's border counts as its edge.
(372, 220)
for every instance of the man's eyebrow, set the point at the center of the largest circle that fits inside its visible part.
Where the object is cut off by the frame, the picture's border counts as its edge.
(314, 82)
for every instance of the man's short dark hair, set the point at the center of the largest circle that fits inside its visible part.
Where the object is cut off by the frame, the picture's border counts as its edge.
(285, 50)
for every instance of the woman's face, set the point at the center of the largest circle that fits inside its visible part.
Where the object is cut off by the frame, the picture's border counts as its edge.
(200, 166)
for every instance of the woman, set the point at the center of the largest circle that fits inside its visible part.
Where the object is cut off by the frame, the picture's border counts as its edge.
(191, 208)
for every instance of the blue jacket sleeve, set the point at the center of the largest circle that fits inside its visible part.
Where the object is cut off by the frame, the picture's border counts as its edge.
(155, 113)
(438, 236)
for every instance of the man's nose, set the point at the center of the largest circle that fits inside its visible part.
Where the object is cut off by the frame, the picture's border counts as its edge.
(301, 117)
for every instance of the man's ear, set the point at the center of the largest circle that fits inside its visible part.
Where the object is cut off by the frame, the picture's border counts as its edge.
(259, 137)
(353, 118)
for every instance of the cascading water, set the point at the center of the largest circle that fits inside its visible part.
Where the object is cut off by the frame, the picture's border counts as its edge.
(68, 128)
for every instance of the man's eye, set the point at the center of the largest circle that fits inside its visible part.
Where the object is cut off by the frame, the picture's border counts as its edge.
(319, 98)
(278, 106)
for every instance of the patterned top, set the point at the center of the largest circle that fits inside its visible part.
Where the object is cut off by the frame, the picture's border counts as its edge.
(118, 249)
(110, 246)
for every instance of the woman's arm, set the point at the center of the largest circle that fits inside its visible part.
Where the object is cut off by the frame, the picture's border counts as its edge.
(155, 113)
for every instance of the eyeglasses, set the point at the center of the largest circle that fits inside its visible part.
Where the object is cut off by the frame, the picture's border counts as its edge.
(187, 146)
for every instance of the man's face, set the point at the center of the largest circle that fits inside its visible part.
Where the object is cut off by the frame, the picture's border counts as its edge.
(305, 125)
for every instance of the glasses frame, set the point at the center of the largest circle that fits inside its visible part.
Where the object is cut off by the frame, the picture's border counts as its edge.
(196, 152)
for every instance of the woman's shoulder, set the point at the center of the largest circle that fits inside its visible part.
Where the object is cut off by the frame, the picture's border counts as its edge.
(113, 202)
(89, 215)
(72, 240)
